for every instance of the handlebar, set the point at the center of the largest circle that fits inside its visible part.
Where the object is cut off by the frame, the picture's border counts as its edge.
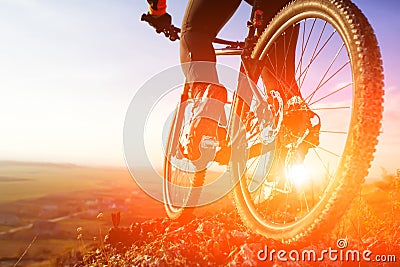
(170, 32)
(173, 32)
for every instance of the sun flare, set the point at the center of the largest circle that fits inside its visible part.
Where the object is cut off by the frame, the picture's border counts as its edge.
(298, 175)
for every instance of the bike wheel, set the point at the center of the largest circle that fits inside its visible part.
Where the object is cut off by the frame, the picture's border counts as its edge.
(182, 180)
(338, 71)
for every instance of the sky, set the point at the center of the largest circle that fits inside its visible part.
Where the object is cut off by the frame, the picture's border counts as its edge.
(69, 69)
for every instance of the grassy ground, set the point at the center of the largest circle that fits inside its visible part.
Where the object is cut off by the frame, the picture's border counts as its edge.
(26, 189)
(86, 192)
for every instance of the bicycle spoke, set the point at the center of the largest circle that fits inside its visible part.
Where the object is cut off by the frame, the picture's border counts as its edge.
(274, 72)
(314, 51)
(323, 149)
(330, 108)
(287, 50)
(252, 163)
(302, 48)
(260, 187)
(273, 67)
(333, 132)
(305, 45)
(323, 163)
(286, 208)
(306, 202)
(319, 147)
(330, 94)
(320, 84)
(284, 60)
(255, 169)
(315, 57)
(281, 82)
(333, 75)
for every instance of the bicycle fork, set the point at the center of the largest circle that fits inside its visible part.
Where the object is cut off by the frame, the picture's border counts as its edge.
(247, 91)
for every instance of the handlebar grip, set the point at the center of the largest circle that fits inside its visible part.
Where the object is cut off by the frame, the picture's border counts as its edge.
(170, 32)
(145, 17)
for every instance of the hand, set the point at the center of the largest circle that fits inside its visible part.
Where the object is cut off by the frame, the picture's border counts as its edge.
(160, 23)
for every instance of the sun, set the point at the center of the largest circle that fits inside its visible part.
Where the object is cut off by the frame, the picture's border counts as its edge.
(298, 175)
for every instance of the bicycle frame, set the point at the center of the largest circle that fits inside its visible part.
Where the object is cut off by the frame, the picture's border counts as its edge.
(250, 67)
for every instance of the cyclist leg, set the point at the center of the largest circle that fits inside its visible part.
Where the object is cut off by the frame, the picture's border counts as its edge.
(202, 21)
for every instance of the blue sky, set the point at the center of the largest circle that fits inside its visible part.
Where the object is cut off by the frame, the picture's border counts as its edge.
(69, 69)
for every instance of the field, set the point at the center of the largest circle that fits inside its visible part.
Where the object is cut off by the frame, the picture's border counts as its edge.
(48, 202)
(58, 212)
(368, 235)
(20, 180)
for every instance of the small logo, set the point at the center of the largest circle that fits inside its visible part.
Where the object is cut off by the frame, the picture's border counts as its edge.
(342, 243)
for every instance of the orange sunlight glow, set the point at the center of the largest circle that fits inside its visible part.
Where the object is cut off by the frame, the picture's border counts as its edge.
(298, 175)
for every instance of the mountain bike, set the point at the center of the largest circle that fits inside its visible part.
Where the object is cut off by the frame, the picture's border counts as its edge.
(296, 160)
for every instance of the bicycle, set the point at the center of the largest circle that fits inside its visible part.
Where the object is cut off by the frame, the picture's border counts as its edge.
(281, 191)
